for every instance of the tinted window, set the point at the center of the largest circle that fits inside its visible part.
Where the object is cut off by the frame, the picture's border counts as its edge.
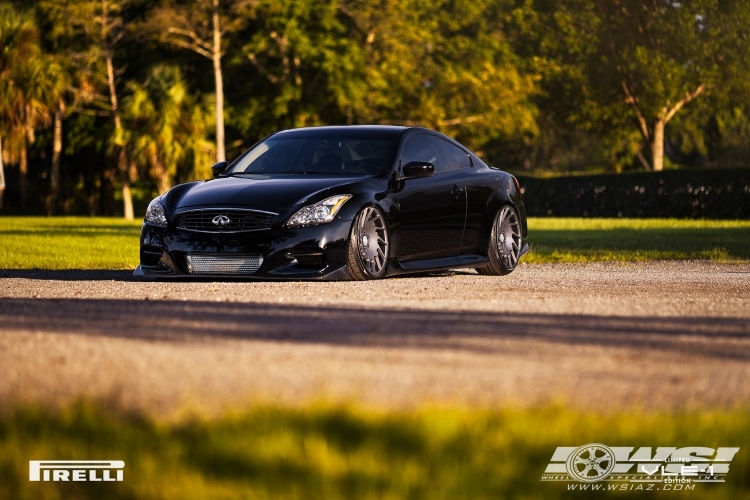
(424, 147)
(455, 157)
(340, 154)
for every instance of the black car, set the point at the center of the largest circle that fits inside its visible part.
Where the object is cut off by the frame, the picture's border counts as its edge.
(332, 203)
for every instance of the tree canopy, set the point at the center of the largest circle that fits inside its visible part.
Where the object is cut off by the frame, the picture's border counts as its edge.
(96, 95)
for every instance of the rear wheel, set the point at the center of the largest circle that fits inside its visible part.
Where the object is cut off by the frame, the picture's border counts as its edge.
(504, 247)
(368, 246)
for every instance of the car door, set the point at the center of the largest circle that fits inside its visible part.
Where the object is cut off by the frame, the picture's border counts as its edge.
(432, 210)
(477, 195)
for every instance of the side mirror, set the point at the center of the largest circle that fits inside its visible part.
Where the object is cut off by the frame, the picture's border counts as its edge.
(415, 169)
(218, 168)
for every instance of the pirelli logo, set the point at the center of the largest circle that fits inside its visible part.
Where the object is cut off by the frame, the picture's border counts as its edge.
(76, 470)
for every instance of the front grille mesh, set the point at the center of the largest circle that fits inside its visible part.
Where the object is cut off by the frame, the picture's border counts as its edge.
(223, 264)
(239, 220)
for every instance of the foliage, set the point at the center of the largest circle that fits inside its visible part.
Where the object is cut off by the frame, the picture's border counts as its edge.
(529, 84)
(447, 66)
(710, 194)
(31, 82)
(165, 129)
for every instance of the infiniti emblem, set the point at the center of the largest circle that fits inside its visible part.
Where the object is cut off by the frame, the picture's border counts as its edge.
(221, 220)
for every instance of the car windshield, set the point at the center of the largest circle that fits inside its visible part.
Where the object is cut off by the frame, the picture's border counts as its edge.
(321, 153)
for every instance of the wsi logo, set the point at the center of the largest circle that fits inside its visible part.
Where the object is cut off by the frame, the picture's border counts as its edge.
(75, 470)
(596, 462)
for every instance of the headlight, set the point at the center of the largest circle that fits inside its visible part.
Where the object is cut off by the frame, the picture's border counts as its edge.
(319, 213)
(155, 213)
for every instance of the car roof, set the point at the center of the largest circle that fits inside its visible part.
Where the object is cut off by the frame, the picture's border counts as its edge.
(394, 129)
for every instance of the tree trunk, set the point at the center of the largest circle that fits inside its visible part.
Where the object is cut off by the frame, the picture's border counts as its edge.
(23, 167)
(160, 175)
(54, 177)
(220, 152)
(2, 173)
(657, 146)
(127, 197)
(122, 163)
(163, 184)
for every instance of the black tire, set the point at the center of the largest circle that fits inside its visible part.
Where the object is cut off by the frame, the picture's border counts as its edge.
(504, 247)
(368, 246)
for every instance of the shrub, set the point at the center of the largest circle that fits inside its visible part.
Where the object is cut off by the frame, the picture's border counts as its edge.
(709, 194)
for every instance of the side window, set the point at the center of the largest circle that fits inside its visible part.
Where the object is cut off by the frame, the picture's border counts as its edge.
(424, 147)
(455, 157)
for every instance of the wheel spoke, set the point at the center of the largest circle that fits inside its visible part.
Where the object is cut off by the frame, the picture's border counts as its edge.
(372, 241)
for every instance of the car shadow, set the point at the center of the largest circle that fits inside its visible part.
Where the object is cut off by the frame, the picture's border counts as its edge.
(482, 332)
(125, 275)
(69, 274)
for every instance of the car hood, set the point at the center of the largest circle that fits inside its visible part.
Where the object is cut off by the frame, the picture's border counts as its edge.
(260, 191)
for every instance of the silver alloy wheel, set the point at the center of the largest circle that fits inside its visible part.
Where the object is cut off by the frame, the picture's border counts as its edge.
(372, 241)
(508, 237)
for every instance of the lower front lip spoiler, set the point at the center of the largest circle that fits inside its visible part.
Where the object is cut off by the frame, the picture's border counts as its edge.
(340, 274)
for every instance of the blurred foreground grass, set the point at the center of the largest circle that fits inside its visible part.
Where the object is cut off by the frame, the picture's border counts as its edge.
(109, 243)
(587, 240)
(334, 452)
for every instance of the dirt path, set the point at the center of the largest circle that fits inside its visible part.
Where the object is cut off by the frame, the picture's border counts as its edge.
(605, 336)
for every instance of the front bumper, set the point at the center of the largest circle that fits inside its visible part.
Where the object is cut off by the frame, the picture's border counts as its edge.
(309, 253)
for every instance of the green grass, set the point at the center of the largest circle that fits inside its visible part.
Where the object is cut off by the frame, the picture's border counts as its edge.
(333, 452)
(586, 240)
(108, 243)
(68, 243)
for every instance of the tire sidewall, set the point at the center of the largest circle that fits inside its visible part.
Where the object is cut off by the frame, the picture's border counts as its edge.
(496, 260)
(354, 246)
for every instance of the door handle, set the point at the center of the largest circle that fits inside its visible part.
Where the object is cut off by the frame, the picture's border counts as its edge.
(457, 190)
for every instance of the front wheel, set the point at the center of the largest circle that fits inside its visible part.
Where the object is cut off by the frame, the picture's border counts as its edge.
(368, 246)
(504, 248)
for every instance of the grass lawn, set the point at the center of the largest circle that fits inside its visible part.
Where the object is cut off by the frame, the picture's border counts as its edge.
(108, 243)
(327, 452)
(585, 240)
(68, 243)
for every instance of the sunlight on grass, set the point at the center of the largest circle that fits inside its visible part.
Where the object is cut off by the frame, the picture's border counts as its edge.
(109, 243)
(334, 452)
(587, 240)
(68, 243)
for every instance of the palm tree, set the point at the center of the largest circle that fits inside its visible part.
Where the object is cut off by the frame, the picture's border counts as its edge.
(45, 85)
(19, 44)
(32, 88)
(164, 129)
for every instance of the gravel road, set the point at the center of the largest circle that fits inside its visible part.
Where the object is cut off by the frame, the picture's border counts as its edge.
(604, 336)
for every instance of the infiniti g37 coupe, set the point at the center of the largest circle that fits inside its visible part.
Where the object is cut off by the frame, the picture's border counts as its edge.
(332, 203)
